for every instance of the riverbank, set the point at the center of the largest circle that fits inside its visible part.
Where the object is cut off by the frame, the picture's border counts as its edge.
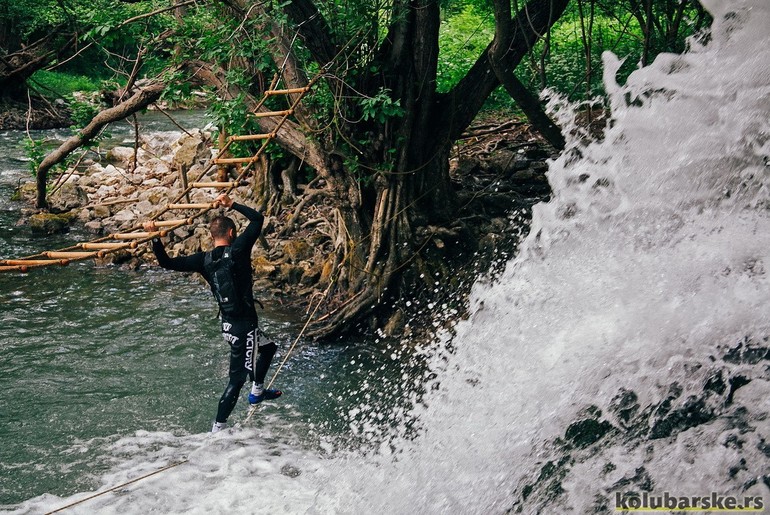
(36, 115)
(498, 170)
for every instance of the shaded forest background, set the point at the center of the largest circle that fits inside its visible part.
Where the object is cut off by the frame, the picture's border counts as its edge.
(399, 82)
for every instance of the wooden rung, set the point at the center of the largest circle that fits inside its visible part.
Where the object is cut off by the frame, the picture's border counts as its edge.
(103, 246)
(190, 206)
(136, 235)
(286, 91)
(265, 114)
(230, 184)
(9, 268)
(251, 137)
(32, 262)
(232, 160)
(69, 255)
(171, 223)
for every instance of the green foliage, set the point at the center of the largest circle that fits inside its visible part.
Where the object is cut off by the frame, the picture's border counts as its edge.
(612, 28)
(64, 84)
(381, 107)
(463, 37)
(36, 152)
(82, 113)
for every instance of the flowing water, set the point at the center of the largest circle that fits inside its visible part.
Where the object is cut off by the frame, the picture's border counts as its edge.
(630, 306)
(92, 355)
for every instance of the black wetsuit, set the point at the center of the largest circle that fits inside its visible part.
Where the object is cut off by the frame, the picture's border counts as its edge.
(241, 331)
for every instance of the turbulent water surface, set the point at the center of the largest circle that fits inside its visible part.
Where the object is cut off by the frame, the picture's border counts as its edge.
(623, 352)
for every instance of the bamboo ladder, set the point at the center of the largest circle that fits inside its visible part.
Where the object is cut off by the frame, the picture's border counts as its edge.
(132, 238)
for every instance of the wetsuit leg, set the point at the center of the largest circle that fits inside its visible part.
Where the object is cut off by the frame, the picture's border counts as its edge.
(265, 357)
(240, 336)
(228, 399)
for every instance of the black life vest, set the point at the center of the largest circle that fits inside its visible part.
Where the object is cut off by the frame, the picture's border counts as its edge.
(222, 278)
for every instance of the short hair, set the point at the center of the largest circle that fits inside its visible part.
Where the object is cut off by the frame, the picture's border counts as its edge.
(220, 226)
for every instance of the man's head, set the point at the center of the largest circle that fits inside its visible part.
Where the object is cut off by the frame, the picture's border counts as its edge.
(222, 229)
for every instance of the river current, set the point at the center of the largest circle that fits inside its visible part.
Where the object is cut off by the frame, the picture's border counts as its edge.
(91, 355)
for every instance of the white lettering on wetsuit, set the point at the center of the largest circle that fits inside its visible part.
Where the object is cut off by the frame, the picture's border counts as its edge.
(230, 338)
(226, 326)
(249, 350)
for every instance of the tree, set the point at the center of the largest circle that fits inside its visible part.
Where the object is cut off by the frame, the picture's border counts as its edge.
(379, 133)
(384, 156)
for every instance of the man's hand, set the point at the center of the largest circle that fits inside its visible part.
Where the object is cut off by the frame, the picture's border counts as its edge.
(150, 226)
(224, 200)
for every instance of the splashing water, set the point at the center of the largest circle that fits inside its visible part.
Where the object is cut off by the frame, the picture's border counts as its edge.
(624, 349)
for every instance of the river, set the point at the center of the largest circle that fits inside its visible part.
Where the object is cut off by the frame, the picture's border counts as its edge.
(92, 354)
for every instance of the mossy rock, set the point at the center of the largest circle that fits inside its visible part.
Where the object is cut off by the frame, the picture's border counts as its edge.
(49, 223)
(298, 250)
(291, 274)
(27, 191)
(263, 267)
(326, 271)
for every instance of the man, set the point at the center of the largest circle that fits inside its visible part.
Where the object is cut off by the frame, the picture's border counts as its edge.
(228, 271)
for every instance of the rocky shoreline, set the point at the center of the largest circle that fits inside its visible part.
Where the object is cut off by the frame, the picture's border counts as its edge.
(499, 172)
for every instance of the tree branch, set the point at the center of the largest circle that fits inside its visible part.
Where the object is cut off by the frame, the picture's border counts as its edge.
(313, 29)
(465, 100)
(136, 102)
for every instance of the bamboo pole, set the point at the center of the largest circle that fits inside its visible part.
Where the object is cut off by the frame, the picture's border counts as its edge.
(33, 262)
(69, 255)
(137, 235)
(265, 114)
(233, 160)
(190, 206)
(230, 184)
(172, 223)
(252, 137)
(289, 91)
(104, 246)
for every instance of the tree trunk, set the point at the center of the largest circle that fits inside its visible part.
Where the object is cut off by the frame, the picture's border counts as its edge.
(17, 67)
(504, 59)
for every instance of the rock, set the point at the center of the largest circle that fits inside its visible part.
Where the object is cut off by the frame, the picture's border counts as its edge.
(311, 275)
(297, 250)
(155, 195)
(85, 216)
(586, 432)
(291, 274)
(191, 149)
(94, 226)
(395, 325)
(123, 156)
(693, 412)
(124, 215)
(102, 211)
(27, 191)
(624, 405)
(263, 267)
(143, 208)
(68, 197)
(49, 223)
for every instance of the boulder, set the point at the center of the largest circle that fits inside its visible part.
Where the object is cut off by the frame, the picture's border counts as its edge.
(190, 149)
(69, 196)
(123, 156)
(49, 223)
(291, 274)
(297, 250)
(27, 191)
